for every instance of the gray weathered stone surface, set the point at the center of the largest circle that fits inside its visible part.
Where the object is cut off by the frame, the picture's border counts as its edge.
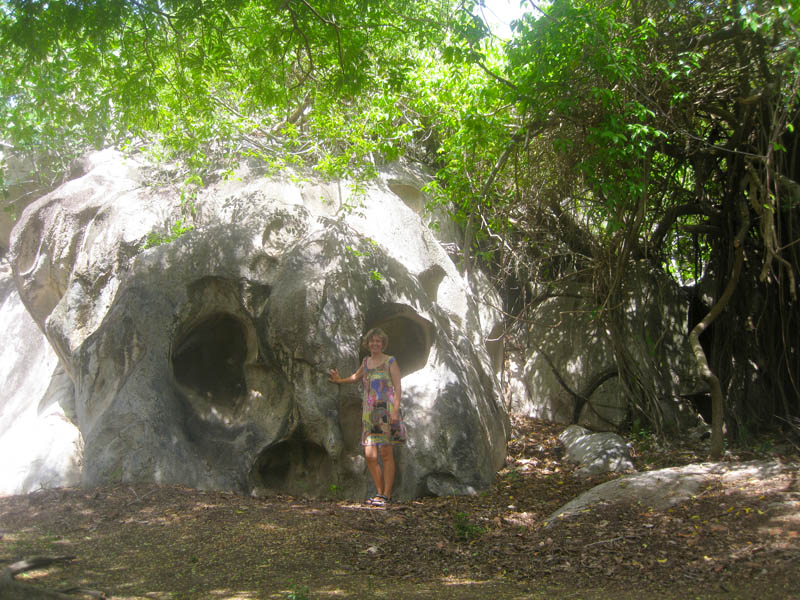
(40, 446)
(565, 337)
(596, 453)
(204, 361)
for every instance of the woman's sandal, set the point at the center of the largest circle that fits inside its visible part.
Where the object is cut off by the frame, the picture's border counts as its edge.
(379, 501)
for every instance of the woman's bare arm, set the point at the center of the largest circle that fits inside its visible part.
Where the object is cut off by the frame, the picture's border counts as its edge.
(335, 378)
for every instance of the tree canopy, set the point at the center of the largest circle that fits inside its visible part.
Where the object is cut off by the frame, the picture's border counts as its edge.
(603, 133)
(212, 80)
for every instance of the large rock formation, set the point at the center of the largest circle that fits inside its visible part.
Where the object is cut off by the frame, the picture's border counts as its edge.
(570, 372)
(202, 359)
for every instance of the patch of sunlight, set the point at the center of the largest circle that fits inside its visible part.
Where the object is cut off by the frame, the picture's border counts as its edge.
(331, 593)
(575, 366)
(149, 510)
(521, 519)
(453, 580)
(308, 510)
(34, 574)
(318, 593)
(231, 595)
(63, 542)
(776, 533)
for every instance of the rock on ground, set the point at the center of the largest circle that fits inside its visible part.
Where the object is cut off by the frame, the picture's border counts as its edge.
(663, 488)
(596, 453)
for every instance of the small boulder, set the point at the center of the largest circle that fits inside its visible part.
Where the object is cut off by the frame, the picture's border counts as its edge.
(596, 453)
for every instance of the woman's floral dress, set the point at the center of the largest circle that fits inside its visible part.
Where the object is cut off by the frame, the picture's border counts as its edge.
(378, 398)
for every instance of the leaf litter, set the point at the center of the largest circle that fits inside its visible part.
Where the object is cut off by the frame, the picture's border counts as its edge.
(733, 539)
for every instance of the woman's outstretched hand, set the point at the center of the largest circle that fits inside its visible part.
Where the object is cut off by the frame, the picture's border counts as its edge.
(334, 376)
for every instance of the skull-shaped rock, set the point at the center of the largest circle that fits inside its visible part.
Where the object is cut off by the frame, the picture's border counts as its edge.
(202, 359)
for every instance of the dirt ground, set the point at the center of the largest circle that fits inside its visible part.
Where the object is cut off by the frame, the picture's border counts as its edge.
(736, 540)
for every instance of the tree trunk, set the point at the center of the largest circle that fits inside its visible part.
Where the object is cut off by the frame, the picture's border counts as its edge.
(717, 402)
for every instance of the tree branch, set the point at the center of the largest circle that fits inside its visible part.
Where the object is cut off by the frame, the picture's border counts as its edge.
(663, 227)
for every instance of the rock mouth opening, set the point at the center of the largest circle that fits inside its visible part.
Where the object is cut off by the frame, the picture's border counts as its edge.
(208, 360)
(295, 466)
(410, 335)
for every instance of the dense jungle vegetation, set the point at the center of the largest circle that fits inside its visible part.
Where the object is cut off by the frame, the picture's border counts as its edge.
(603, 134)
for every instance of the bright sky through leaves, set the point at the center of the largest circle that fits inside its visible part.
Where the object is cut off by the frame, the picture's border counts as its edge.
(500, 13)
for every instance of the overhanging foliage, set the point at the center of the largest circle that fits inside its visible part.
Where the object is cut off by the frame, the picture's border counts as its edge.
(602, 133)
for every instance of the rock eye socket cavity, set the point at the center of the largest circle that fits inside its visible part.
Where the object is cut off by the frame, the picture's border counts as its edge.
(208, 360)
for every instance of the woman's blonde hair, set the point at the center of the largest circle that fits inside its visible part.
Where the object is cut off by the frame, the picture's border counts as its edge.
(375, 332)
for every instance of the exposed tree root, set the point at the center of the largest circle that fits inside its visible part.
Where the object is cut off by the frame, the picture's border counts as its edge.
(10, 589)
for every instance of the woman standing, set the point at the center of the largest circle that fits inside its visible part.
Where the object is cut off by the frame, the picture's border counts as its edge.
(380, 413)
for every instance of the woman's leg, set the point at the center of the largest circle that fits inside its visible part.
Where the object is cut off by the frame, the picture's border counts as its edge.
(371, 454)
(387, 454)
